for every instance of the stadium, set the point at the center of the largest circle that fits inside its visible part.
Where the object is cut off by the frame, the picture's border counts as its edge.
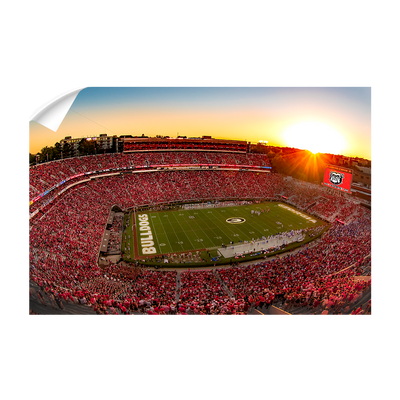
(194, 226)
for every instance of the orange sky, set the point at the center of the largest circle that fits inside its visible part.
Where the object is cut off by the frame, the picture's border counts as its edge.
(251, 114)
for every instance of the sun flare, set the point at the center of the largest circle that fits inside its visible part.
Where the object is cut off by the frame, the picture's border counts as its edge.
(315, 137)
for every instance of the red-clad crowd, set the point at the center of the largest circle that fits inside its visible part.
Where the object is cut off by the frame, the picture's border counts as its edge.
(288, 276)
(65, 240)
(321, 202)
(301, 280)
(44, 176)
(158, 187)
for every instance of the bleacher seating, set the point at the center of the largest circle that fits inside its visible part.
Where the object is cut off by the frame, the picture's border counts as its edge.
(65, 238)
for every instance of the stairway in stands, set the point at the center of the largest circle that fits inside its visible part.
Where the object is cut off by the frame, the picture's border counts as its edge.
(178, 286)
(223, 284)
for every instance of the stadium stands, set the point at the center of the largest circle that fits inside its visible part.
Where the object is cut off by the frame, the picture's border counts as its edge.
(66, 234)
(42, 177)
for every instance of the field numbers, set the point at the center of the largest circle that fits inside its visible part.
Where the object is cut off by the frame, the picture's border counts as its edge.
(180, 229)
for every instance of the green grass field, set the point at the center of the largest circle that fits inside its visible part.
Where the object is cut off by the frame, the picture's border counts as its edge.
(198, 229)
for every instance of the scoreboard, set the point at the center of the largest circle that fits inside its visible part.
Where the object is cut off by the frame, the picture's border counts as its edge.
(338, 178)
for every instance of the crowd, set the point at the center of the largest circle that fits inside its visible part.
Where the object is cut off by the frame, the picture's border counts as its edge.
(184, 144)
(310, 280)
(158, 187)
(321, 202)
(71, 226)
(44, 176)
(114, 242)
(288, 276)
(200, 286)
(65, 240)
(178, 258)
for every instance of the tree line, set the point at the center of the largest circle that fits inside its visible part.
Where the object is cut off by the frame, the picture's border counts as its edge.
(59, 151)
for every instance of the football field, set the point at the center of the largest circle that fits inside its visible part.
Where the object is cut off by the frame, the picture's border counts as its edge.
(184, 230)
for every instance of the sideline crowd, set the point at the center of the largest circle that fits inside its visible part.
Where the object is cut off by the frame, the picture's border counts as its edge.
(65, 238)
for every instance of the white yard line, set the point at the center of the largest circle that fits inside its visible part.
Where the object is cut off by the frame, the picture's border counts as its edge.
(212, 241)
(194, 248)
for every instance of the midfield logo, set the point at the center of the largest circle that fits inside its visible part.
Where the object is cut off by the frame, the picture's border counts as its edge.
(235, 220)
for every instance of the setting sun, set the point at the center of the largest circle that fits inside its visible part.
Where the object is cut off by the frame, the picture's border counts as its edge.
(315, 137)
